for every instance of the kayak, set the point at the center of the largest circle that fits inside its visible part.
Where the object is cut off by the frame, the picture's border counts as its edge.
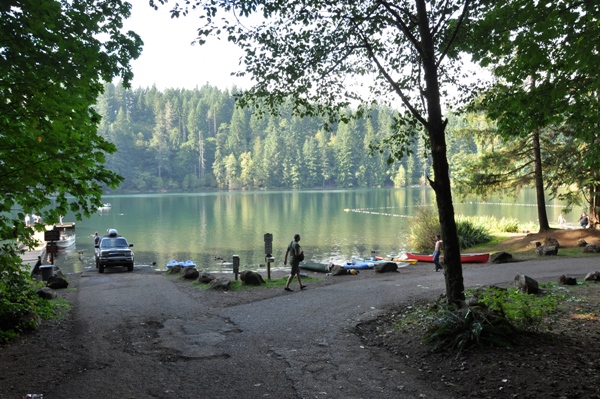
(403, 260)
(464, 258)
(314, 267)
(187, 263)
(355, 264)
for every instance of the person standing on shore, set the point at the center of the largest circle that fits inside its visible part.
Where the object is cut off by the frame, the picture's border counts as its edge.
(584, 220)
(297, 255)
(436, 253)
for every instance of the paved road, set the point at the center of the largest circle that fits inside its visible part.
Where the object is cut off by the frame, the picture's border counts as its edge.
(141, 336)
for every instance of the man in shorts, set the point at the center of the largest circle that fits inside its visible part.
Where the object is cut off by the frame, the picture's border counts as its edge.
(294, 250)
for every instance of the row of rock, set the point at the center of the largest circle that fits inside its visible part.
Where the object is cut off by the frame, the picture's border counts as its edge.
(55, 281)
(247, 277)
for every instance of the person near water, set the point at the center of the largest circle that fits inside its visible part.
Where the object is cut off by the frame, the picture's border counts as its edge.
(295, 251)
(562, 222)
(584, 220)
(436, 253)
(96, 239)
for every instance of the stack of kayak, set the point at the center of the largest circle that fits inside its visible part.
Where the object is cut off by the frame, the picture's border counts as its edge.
(187, 263)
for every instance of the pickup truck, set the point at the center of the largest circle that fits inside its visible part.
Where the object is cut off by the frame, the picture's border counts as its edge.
(113, 250)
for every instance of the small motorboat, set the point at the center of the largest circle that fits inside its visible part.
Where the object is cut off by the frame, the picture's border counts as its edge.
(464, 258)
(65, 241)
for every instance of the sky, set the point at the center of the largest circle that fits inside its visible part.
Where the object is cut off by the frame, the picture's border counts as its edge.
(168, 59)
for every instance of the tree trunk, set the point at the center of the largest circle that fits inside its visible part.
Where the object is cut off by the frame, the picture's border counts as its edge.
(441, 184)
(594, 206)
(539, 183)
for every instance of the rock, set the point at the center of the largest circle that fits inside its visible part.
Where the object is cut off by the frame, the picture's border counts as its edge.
(534, 244)
(551, 242)
(591, 248)
(567, 280)
(526, 284)
(220, 284)
(174, 270)
(501, 257)
(593, 276)
(57, 282)
(581, 243)
(205, 278)
(386, 267)
(46, 293)
(249, 277)
(337, 270)
(546, 250)
(189, 273)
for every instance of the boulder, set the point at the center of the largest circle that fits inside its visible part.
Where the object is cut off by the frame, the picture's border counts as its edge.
(56, 282)
(337, 270)
(501, 257)
(566, 280)
(189, 273)
(591, 248)
(551, 242)
(386, 267)
(546, 250)
(174, 270)
(593, 276)
(581, 242)
(249, 277)
(535, 244)
(220, 284)
(205, 278)
(526, 284)
(46, 293)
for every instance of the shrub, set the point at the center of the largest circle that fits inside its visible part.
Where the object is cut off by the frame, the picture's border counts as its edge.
(20, 306)
(465, 327)
(471, 231)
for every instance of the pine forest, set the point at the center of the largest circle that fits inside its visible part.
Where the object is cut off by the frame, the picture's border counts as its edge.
(197, 140)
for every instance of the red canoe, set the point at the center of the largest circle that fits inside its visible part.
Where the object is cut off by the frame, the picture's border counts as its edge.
(464, 258)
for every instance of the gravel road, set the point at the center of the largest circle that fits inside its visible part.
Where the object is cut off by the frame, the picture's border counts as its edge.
(144, 335)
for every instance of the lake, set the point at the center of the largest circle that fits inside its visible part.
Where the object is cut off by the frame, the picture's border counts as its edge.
(207, 227)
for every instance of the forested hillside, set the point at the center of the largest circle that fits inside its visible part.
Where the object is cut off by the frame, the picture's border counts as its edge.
(193, 140)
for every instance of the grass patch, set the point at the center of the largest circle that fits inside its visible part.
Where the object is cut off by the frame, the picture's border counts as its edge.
(495, 318)
(236, 285)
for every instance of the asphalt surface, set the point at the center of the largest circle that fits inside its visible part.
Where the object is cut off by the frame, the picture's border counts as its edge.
(141, 336)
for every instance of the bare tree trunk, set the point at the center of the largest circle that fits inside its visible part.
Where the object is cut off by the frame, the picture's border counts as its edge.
(539, 183)
(436, 127)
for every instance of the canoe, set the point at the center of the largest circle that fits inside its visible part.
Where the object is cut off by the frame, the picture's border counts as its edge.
(464, 258)
(314, 267)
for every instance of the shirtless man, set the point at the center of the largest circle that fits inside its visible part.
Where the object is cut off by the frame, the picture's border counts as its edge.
(436, 253)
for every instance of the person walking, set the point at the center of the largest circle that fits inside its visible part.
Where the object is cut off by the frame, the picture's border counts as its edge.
(96, 239)
(436, 253)
(297, 255)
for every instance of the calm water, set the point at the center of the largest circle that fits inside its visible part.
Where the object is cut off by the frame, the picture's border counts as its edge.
(333, 224)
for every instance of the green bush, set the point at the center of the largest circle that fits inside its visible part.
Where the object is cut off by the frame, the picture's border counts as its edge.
(20, 307)
(525, 311)
(471, 230)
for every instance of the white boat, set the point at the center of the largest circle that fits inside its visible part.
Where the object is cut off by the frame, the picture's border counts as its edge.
(65, 241)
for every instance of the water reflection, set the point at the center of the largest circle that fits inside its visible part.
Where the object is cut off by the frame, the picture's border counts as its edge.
(210, 226)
